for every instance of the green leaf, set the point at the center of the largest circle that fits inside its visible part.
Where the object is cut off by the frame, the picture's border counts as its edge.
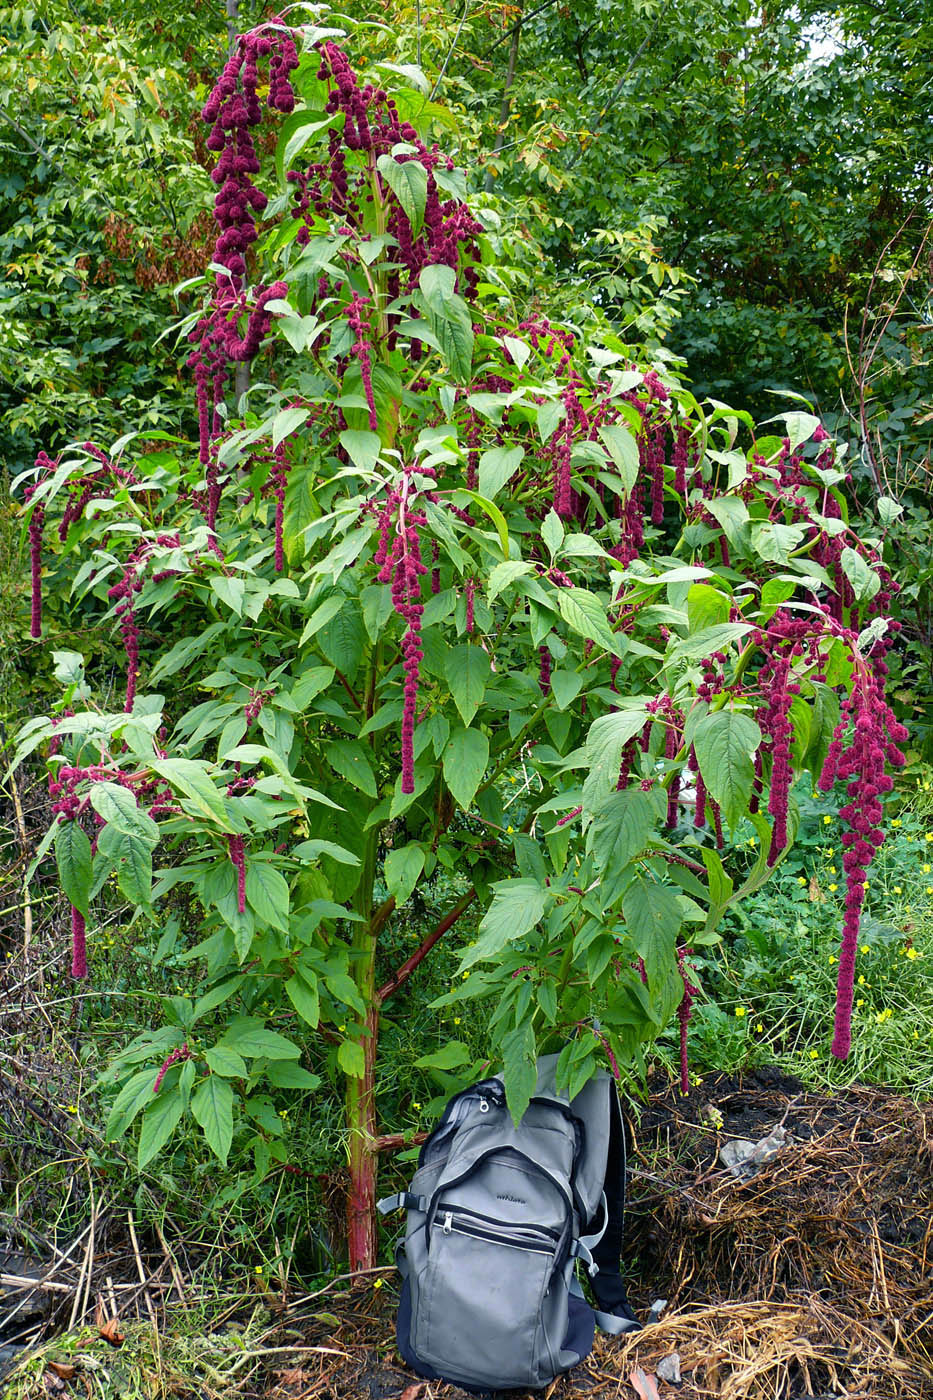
(348, 757)
(721, 885)
(623, 449)
(552, 532)
(131, 857)
(652, 917)
(75, 864)
(343, 639)
(450, 319)
(191, 778)
(285, 1074)
(159, 1122)
(865, 582)
(706, 606)
(302, 992)
(184, 652)
(351, 1058)
(452, 1056)
(505, 574)
(605, 741)
(465, 760)
(310, 683)
(362, 447)
(267, 893)
(725, 743)
(517, 907)
(297, 130)
(119, 809)
(496, 467)
(248, 1036)
(495, 515)
(468, 670)
(230, 589)
(520, 1073)
(586, 615)
(320, 617)
(403, 868)
(212, 1107)
(565, 687)
(225, 1061)
(285, 423)
(707, 640)
(134, 1096)
(408, 180)
(623, 824)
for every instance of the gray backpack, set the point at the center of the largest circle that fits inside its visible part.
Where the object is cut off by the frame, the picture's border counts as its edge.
(498, 1216)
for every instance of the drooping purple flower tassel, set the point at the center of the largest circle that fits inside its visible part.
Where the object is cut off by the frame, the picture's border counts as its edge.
(78, 944)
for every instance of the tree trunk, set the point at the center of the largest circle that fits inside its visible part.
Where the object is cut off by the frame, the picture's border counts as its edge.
(506, 102)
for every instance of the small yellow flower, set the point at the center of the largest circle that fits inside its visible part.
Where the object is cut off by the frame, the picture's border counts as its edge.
(832, 958)
(741, 1011)
(910, 838)
(826, 821)
(416, 1107)
(465, 976)
(898, 889)
(861, 980)
(341, 1028)
(801, 880)
(283, 1112)
(928, 835)
(829, 852)
(926, 868)
(860, 1003)
(912, 953)
(864, 948)
(759, 1028)
(865, 884)
(833, 888)
(896, 821)
(929, 889)
(509, 830)
(377, 1283)
(259, 1268)
(456, 1020)
(814, 1054)
(752, 841)
(832, 870)
(926, 787)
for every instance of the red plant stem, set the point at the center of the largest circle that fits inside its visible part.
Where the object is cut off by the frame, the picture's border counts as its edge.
(400, 977)
(78, 944)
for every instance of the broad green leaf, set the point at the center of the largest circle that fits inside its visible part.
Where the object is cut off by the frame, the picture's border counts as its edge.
(309, 684)
(552, 532)
(565, 687)
(706, 641)
(286, 422)
(403, 868)
(320, 617)
(468, 670)
(505, 574)
(135, 1095)
(248, 1036)
(864, 580)
(191, 778)
(267, 893)
(348, 757)
(351, 1058)
(605, 741)
(212, 1107)
(408, 180)
(517, 907)
(452, 1056)
(230, 589)
(495, 515)
(285, 1074)
(343, 639)
(725, 743)
(225, 1061)
(450, 319)
(119, 809)
(520, 1073)
(706, 606)
(75, 865)
(465, 760)
(131, 857)
(621, 829)
(496, 467)
(652, 917)
(362, 447)
(159, 1122)
(302, 992)
(586, 615)
(623, 449)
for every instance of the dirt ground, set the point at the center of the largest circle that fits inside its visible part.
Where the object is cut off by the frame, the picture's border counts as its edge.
(811, 1279)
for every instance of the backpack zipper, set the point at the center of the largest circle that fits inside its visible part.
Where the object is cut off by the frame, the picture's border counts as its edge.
(508, 1239)
(491, 1220)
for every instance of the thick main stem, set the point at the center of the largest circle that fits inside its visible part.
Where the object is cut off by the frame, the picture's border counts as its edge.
(361, 1090)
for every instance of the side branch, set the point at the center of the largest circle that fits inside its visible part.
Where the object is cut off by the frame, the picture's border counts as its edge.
(399, 978)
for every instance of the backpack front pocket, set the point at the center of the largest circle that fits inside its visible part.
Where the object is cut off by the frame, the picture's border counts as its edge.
(480, 1298)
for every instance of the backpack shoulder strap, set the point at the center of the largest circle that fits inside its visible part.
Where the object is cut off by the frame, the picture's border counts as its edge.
(614, 1313)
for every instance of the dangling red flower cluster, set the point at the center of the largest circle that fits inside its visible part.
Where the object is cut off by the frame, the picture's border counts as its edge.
(398, 556)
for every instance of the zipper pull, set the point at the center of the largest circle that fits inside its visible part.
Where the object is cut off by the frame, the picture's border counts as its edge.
(484, 1105)
(448, 1217)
